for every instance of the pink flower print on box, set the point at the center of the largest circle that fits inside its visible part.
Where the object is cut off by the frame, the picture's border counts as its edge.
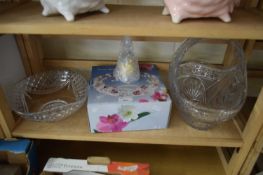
(146, 67)
(110, 123)
(159, 96)
(143, 100)
(117, 122)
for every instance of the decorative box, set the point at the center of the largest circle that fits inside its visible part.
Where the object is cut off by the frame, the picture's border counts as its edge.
(114, 106)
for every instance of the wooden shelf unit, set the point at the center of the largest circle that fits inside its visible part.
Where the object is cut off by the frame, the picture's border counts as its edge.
(162, 148)
(131, 21)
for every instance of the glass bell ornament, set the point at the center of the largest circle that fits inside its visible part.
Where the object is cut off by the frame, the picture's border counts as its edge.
(127, 68)
(207, 94)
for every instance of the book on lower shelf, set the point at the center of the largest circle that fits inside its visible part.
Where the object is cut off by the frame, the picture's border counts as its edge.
(82, 167)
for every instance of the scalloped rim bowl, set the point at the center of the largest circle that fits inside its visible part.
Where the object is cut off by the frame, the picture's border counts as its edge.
(47, 83)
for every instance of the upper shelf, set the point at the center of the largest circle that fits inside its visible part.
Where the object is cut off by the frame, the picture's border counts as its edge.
(132, 21)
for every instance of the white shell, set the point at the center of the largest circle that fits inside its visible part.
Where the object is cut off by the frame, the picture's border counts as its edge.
(69, 8)
(182, 9)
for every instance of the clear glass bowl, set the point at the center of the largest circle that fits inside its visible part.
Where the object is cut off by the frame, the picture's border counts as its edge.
(49, 96)
(205, 94)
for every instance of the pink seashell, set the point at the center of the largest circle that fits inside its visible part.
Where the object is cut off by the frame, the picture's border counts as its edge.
(182, 9)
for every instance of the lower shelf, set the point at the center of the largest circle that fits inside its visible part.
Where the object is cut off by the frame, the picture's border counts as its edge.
(76, 128)
(163, 159)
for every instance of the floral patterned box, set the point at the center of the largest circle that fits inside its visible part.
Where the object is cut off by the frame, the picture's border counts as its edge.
(114, 106)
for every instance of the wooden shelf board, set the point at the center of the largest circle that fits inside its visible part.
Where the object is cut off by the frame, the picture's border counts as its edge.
(164, 160)
(76, 127)
(132, 21)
